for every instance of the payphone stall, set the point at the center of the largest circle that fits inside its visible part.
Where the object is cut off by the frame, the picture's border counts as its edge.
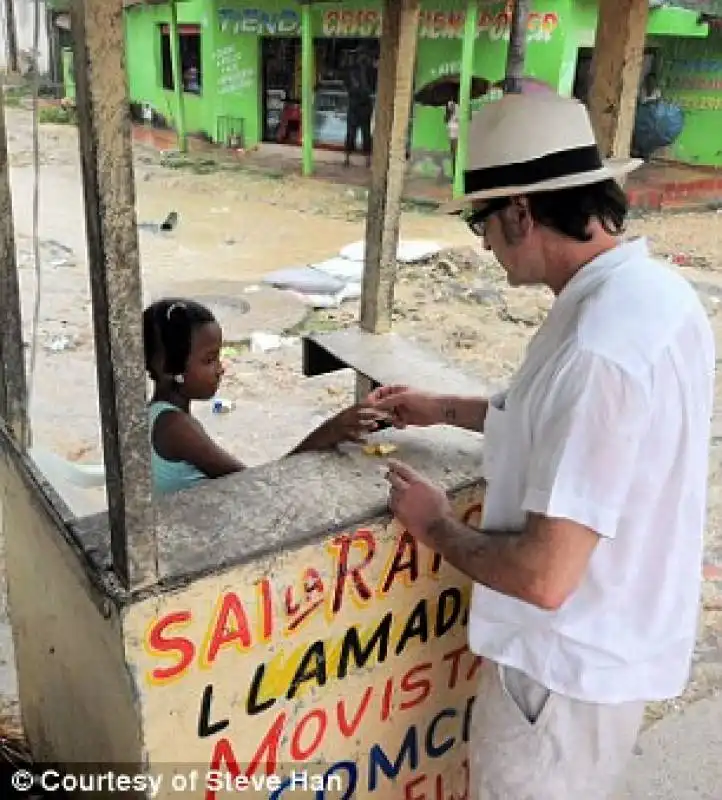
(275, 631)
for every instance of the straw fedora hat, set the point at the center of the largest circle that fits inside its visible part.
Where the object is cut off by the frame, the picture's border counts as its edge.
(523, 144)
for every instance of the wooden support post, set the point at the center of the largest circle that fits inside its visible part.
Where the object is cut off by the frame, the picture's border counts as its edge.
(467, 72)
(307, 82)
(388, 168)
(175, 57)
(108, 182)
(516, 53)
(616, 71)
(11, 37)
(13, 388)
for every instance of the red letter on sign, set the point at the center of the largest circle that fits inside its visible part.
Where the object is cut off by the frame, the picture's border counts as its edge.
(409, 683)
(344, 570)
(406, 560)
(300, 753)
(231, 626)
(158, 643)
(349, 728)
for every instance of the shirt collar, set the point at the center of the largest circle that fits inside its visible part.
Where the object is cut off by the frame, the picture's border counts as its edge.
(603, 264)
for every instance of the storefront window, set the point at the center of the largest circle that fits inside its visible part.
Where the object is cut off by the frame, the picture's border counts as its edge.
(189, 37)
(347, 71)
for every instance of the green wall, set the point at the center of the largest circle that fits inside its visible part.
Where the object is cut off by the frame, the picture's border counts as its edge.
(144, 62)
(691, 75)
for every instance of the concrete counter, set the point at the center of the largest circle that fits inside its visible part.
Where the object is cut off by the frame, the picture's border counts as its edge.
(299, 640)
(286, 503)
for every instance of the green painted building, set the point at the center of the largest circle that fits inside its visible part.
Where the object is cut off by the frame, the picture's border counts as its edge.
(691, 75)
(250, 60)
(241, 65)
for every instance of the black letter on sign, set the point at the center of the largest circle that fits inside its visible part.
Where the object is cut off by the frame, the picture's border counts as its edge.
(205, 727)
(311, 668)
(252, 704)
(416, 625)
(445, 619)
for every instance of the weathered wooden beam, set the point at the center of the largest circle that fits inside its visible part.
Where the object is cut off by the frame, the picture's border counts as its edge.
(112, 237)
(616, 71)
(13, 387)
(388, 167)
(516, 52)
(11, 37)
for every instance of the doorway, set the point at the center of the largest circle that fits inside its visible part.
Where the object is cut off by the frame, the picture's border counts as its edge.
(281, 89)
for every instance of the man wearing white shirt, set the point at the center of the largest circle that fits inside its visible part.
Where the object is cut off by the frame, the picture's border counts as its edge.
(587, 568)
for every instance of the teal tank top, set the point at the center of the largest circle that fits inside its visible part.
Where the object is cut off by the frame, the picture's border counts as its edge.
(169, 476)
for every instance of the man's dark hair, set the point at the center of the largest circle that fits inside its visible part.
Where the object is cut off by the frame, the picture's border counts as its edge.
(167, 327)
(569, 211)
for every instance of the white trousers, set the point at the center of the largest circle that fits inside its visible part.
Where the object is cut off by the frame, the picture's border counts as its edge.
(528, 743)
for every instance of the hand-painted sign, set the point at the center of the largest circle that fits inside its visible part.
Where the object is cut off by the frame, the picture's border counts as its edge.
(440, 24)
(693, 82)
(348, 661)
(433, 24)
(263, 23)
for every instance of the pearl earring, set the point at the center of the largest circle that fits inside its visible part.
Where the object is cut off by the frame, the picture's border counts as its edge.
(178, 379)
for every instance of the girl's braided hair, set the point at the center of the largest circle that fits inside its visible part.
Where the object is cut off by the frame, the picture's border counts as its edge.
(167, 328)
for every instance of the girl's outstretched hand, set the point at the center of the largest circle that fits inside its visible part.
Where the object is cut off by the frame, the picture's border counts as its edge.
(352, 424)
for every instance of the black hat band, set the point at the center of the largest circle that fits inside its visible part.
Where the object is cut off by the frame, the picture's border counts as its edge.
(525, 173)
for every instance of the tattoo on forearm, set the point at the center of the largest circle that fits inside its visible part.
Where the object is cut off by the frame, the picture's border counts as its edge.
(458, 539)
(487, 557)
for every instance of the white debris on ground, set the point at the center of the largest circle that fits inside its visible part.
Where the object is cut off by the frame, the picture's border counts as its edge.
(328, 284)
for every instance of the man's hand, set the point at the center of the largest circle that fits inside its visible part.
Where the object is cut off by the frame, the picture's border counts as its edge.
(410, 407)
(417, 504)
(407, 406)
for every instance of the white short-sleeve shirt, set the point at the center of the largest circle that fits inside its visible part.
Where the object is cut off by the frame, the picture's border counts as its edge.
(607, 423)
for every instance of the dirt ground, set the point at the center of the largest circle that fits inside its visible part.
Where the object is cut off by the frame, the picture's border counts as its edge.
(235, 224)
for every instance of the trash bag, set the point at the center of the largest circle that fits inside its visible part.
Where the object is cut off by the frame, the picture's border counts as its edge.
(658, 124)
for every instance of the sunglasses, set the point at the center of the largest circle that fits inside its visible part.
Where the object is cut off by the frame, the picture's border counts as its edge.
(476, 220)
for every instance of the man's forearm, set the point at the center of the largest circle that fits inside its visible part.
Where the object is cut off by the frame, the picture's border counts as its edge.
(500, 560)
(463, 412)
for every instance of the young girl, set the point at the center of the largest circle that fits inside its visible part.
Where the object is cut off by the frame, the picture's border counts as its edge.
(182, 342)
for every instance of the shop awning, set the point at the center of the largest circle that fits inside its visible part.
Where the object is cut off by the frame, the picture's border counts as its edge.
(670, 19)
(713, 7)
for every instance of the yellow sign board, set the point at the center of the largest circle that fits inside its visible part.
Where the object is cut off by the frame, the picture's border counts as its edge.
(340, 669)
